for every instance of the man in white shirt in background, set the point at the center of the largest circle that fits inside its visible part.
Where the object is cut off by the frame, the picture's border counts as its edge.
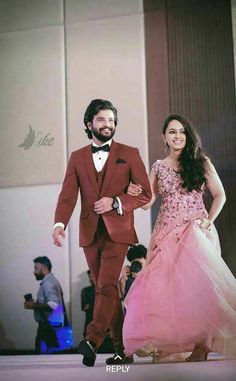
(48, 307)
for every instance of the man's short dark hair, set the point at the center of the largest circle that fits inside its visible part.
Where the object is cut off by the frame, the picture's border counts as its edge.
(93, 109)
(136, 251)
(44, 261)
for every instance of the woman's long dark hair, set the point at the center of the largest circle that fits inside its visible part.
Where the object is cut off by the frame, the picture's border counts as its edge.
(192, 158)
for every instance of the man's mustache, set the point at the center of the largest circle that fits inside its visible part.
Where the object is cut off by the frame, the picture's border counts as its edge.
(106, 128)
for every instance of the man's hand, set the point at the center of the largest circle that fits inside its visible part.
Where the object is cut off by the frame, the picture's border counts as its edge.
(103, 205)
(57, 234)
(86, 307)
(125, 273)
(29, 305)
(124, 276)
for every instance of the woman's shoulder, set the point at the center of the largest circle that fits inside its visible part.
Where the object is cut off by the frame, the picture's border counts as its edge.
(156, 165)
(209, 166)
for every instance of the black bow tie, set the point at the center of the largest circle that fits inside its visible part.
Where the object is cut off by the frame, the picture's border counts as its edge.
(105, 148)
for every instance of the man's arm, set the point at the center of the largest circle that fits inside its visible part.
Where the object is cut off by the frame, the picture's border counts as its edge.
(32, 305)
(53, 294)
(84, 300)
(128, 203)
(135, 189)
(138, 175)
(66, 202)
(53, 297)
(68, 196)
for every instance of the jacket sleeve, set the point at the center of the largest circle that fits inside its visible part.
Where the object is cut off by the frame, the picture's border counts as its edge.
(68, 196)
(84, 298)
(138, 175)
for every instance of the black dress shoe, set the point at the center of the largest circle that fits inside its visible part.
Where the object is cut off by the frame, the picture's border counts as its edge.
(88, 350)
(119, 358)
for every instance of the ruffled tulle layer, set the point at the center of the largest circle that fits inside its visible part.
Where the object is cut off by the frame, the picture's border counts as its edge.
(185, 295)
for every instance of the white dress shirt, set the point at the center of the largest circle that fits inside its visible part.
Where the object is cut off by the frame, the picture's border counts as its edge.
(100, 157)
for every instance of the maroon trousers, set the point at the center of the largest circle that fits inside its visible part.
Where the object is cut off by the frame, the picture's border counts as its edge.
(105, 259)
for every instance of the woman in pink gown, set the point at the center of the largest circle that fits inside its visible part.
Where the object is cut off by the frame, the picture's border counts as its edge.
(185, 298)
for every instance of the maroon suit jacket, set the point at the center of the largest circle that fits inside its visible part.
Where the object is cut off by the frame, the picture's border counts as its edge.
(124, 164)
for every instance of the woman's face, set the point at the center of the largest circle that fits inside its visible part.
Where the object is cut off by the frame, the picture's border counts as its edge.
(175, 136)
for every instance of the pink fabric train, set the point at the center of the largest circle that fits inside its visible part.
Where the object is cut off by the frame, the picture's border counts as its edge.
(186, 294)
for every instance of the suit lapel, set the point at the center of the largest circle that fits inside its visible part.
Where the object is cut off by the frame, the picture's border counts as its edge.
(90, 168)
(111, 162)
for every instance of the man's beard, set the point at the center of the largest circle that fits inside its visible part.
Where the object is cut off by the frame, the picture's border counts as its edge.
(39, 276)
(103, 138)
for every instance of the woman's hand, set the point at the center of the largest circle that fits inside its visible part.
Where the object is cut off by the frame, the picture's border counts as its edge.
(134, 189)
(204, 223)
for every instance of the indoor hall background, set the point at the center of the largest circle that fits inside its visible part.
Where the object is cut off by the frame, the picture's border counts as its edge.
(55, 56)
(190, 71)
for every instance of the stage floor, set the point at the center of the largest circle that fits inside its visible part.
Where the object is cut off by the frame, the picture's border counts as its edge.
(70, 368)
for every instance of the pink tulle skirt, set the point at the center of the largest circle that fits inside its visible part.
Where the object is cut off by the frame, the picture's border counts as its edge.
(185, 295)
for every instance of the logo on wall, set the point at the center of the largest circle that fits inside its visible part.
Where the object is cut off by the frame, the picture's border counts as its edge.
(37, 139)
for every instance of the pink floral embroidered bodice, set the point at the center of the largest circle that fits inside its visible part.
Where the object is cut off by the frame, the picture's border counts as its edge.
(178, 205)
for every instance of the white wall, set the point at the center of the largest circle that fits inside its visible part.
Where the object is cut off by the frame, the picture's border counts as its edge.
(100, 53)
(32, 86)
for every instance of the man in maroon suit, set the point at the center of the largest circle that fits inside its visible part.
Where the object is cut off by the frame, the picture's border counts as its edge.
(102, 172)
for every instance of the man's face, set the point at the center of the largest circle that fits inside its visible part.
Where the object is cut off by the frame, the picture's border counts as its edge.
(90, 279)
(103, 126)
(38, 271)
